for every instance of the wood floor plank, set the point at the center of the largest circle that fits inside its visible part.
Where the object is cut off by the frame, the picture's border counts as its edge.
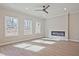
(60, 48)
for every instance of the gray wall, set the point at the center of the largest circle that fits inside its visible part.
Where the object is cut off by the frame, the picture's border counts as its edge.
(62, 22)
(74, 26)
(21, 17)
(54, 23)
(58, 23)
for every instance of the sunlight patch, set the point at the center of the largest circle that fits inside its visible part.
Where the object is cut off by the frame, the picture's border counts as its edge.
(45, 38)
(22, 45)
(48, 42)
(37, 41)
(35, 48)
(2, 54)
(42, 41)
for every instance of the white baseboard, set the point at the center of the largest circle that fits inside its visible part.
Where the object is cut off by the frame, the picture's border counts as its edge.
(54, 39)
(74, 40)
(10, 42)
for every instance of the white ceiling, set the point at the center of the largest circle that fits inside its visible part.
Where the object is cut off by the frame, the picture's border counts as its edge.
(54, 9)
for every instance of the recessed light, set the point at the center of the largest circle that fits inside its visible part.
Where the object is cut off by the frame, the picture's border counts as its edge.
(65, 9)
(26, 8)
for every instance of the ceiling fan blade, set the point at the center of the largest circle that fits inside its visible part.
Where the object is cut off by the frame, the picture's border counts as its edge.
(47, 6)
(45, 11)
(38, 10)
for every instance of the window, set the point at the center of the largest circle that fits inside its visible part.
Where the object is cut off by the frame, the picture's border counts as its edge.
(38, 27)
(27, 27)
(11, 26)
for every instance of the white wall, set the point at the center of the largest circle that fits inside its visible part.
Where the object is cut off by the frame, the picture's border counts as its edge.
(58, 23)
(74, 27)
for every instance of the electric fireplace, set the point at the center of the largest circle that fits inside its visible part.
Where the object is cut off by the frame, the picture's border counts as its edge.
(58, 33)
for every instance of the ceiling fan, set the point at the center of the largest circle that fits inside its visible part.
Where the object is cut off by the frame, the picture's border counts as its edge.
(44, 9)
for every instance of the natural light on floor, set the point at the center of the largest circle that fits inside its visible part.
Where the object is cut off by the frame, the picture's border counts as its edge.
(22, 45)
(42, 41)
(30, 47)
(35, 48)
(2, 54)
(45, 38)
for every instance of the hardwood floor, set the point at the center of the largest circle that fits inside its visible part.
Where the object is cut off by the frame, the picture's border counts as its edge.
(60, 48)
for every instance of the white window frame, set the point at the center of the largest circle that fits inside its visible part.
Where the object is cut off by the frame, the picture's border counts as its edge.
(27, 27)
(11, 30)
(38, 27)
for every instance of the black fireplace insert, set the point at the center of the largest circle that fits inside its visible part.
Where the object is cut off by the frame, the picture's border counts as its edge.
(58, 33)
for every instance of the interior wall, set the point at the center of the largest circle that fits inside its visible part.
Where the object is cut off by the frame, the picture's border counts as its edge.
(21, 17)
(74, 27)
(58, 23)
